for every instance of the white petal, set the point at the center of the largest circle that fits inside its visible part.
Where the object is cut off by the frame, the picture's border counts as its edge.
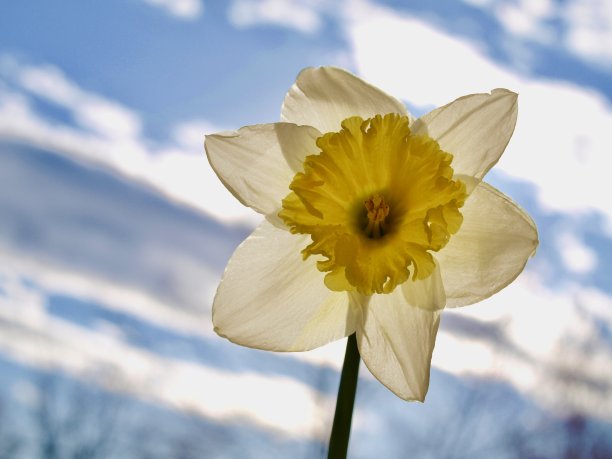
(322, 97)
(490, 249)
(427, 293)
(257, 163)
(271, 299)
(396, 341)
(474, 128)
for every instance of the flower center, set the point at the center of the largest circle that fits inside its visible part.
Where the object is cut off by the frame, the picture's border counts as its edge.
(377, 212)
(376, 201)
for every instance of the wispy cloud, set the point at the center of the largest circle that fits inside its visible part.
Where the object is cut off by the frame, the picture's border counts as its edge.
(538, 335)
(562, 155)
(182, 9)
(93, 243)
(548, 140)
(107, 133)
(576, 256)
(78, 219)
(36, 338)
(527, 19)
(303, 16)
(582, 27)
(589, 30)
(96, 114)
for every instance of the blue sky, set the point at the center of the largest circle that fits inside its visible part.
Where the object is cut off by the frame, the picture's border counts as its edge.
(114, 231)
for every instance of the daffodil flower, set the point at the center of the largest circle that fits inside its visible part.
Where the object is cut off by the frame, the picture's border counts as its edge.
(374, 222)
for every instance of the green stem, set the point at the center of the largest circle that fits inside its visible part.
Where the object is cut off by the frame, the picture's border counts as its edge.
(341, 429)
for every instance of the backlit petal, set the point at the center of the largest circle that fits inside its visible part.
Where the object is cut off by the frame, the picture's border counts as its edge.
(322, 97)
(489, 251)
(270, 298)
(396, 341)
(475, 129)
(427, 293)
(258, 162)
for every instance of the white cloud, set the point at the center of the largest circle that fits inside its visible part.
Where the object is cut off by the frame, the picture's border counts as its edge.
(282, 404)
(182, 9)
(55, 278)
(82, 220)
(562, 139)
(478, 3)
(531, 337)
(527, 18)
(302, 16)
(101, 116)
(110, 134)
(582, 27)
(560, 147)
(190, 134)
(589, 29)
(561, 151)
(576, 257)
(553, 353)
(538, 326)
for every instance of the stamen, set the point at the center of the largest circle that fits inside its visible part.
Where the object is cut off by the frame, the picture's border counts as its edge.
(378, 210)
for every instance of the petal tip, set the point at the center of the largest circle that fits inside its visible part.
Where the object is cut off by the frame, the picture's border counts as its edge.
(411, 396)
(510, 99)
(222, 135)
(218, 331)
(322, 68)
(504, 92)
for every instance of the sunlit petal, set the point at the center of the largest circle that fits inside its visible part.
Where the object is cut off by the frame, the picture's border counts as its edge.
(324, 96)
(257, 163)
(396, 341)
(475, 129)
(270, 298)
(490, 250)
(427, 293)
